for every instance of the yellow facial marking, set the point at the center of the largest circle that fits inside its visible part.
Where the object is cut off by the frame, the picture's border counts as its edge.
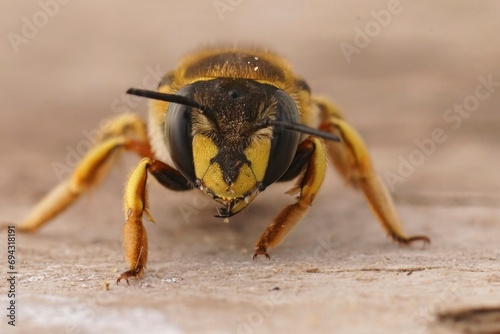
(204, 150)
(214, 181)
(245, 182)
(258, 154)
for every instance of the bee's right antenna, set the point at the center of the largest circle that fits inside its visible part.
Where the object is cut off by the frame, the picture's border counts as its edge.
(173, 98)
(165, 97)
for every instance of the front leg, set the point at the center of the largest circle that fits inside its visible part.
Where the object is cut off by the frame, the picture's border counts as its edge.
(135, 240)
(308, 186)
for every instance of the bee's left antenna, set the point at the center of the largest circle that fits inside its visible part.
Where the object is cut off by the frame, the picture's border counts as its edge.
(299, 128)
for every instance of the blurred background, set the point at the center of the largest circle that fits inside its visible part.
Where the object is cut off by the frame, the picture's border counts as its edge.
(66, 65)
(419, 79)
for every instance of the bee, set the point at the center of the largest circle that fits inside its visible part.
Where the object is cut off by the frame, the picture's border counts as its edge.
(233, 121)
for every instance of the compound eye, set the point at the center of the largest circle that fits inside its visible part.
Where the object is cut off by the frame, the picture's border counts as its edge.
(178, 135)
(285, 142)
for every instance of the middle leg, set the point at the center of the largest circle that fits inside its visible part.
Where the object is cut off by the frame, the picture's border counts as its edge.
(352, 160)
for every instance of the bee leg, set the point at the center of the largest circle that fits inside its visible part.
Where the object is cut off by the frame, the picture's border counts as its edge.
(308, 186)
(125, 132)
(352, 160)
(135, 239)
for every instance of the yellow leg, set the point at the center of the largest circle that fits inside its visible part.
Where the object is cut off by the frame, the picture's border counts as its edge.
(91, 169)
(308, 186)
(135, 240)
(352, 160)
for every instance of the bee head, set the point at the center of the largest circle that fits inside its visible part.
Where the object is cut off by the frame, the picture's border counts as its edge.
(231, 138)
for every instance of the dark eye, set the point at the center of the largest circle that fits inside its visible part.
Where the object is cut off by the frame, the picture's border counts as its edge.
(284, 143)
(178, 135)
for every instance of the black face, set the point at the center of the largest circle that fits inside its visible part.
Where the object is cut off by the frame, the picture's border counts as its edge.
(233, 107)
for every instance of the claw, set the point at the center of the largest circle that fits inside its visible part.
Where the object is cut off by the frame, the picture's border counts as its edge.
(19, 228)
(120, 278)
(132, 273)
(261, 251)
(408, 241)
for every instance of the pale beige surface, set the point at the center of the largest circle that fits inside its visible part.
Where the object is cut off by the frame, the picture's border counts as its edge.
(337, 273)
